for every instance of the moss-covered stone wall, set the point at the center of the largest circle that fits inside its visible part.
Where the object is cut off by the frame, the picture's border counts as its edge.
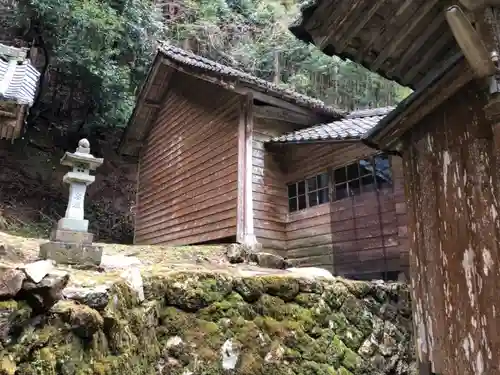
(207, 324)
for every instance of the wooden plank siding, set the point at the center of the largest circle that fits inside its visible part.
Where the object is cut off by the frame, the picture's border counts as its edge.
(188, 168)
(354, 236)
(269, 190)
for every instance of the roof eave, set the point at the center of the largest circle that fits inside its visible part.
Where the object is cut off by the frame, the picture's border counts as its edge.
(393, 119)
(302, 34)
(239, 85)
(315, 141)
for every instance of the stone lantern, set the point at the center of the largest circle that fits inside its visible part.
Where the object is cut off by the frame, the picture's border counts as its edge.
(70, 242)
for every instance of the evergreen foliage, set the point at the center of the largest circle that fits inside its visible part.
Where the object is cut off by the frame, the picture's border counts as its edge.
(105, 45)
(104, 48)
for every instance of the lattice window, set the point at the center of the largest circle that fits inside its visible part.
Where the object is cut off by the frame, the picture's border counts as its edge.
(309, 192)
(362, 176)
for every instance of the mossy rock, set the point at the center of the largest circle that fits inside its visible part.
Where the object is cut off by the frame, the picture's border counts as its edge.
(192, 292)
(335, 294)
(231, 307)
(286, 288)
(280, 325)
(250, 288)
(7, 366)
(83, 320)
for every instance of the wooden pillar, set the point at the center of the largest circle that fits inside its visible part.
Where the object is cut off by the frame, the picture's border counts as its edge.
(245, 231)
(401, 214)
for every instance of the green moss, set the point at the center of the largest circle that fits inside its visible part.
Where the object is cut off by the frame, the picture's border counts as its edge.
(307, 285)
(344, 371)
(231, 307)
(351, 360)
(83, 320)
(359, 289)
(281, 326)
(313, 368)
(286, 288)
(307, 300)
(192, 292)
(358, 314)
(8, 305)
(335, 294)
(7, 366)
(250, 288)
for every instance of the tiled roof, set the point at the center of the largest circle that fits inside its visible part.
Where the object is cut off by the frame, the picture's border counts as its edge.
(353, 126)
(192, 60)
(18, 80)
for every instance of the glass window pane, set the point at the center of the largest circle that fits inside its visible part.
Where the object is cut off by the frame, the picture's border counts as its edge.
(301, 186)
(383, 182)
(323, 196)
(322, 180)
(354, 187)
(367, 183)
(339, 175)
(383, 168)
(352, 171)
(311, 184)
(365, 167)
(341, 191)
(313, 199)
(302, 202)
(292, 204)
(292, 190)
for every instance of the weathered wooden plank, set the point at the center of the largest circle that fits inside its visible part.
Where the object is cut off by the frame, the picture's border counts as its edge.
(270, 196)
(188, 178)
(168, 235)
(483, 241)
(191, 184)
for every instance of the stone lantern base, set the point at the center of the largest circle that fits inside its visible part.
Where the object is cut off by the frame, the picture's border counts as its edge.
(71, 247)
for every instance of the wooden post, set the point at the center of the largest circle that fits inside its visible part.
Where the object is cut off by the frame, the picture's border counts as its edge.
(245, 230)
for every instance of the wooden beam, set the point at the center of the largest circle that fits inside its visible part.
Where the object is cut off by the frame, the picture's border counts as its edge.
(356, 26)
(386, 26)
(399, 38)
(277, 102)
(438, 45)
(457, 77)
(248, 224)
(280, 114)
(154, 104)
(240, 88)
(161, 101)
(322, 16)
(417, 44)
(240, 210)
(347, 9)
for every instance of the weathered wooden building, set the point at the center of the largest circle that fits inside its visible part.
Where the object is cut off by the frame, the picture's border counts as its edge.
(448, 136)
(18, 86)
(225, 156)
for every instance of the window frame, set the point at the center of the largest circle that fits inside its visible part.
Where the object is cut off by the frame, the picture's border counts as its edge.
(331, 188)
(307, 191)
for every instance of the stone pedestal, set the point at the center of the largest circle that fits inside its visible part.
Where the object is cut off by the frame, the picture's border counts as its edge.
(71, 253)
(70, 243)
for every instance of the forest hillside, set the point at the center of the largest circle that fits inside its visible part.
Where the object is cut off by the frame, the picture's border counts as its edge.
(94, 54)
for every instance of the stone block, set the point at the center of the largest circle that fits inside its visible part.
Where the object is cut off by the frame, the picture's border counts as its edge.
(71, 253)
(76, 225)
(70, 236)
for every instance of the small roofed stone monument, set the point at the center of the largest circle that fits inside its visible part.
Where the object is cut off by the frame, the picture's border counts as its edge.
(70, 242)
